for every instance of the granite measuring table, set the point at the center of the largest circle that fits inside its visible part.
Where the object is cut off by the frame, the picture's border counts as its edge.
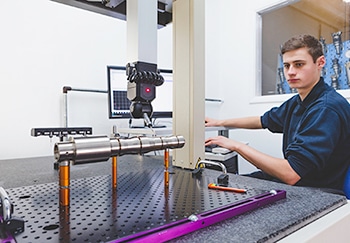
(266, 224)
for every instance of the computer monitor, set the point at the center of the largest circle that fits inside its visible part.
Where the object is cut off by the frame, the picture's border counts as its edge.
(119, 104)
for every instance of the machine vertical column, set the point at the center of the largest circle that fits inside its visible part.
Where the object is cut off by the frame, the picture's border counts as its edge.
(189, 80)
(64, 178)
(141, 20)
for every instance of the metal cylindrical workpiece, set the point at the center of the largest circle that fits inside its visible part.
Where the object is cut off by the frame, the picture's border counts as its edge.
(129, 146)
(101, 148)
(141, 145)
(83, 149)
(97, 148)
(151, 144)
(173, 142)
(64, 151)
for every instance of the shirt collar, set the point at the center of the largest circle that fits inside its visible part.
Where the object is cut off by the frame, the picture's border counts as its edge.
(319, 88)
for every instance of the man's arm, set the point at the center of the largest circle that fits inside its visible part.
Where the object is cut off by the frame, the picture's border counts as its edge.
(246, 122)
(275, 167)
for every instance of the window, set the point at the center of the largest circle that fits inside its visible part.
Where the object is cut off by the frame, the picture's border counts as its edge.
(327, 20)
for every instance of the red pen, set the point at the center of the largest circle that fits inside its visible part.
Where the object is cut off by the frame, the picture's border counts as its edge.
(231, 189)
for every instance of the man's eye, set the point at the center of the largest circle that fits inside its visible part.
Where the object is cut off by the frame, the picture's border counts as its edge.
(286, 66)
(299, 64)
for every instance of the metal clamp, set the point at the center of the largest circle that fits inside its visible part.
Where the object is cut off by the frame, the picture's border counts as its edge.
(222, 179)
(11, 224)
(223, 167)
(5, 205)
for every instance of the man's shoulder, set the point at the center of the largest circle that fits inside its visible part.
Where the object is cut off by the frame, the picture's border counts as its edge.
(332, 97)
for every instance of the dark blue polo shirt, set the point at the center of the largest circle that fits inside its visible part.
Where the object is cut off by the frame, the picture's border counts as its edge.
(316, 135)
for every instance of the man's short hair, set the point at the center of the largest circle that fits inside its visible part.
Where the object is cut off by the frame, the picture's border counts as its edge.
(312, 44)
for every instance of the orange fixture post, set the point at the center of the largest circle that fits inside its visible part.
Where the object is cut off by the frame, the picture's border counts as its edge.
(166, 165)
(114, 171)
(64, 178)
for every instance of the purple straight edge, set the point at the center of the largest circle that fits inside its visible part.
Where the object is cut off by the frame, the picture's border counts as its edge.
(185, 226)
(8, 239)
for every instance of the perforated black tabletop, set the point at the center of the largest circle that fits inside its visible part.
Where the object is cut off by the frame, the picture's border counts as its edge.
(35, 181)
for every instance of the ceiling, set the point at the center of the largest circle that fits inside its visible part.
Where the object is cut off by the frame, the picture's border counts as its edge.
(117, 8)
(332, 12)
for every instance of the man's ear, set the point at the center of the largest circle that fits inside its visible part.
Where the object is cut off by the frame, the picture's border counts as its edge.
(321, 61)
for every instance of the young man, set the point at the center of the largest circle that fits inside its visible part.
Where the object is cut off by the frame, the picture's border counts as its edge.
(315, 124)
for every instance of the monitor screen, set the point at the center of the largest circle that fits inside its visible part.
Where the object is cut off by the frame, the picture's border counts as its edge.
(119, 104)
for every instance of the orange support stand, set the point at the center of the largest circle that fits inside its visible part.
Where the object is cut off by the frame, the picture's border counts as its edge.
(166, 178)
(64, 220)
(166, 165)
(166, 159)
(64, 178)
(114, 171)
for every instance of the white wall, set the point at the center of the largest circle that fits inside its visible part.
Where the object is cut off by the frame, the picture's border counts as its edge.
(44, 46)
(232, 70)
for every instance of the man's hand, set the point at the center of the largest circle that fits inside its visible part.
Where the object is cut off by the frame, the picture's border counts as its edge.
(223, 142)
(210, 122)
(276, 167)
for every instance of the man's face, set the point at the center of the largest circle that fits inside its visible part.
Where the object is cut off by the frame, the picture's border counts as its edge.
(300, 70)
